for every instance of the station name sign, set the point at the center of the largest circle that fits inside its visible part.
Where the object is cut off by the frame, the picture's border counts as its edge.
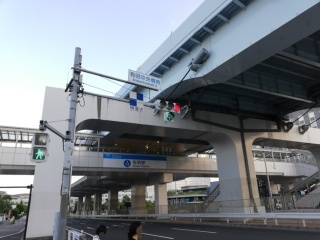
(134, 161)
(144, 80)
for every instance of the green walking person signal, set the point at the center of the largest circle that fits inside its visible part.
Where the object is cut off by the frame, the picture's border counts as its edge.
(39, 154)
(168, 116)
(39, 150)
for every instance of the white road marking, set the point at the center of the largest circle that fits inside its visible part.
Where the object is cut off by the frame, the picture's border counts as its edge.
(181, 229)
(157, 236)
(90, 227)
(12, 234)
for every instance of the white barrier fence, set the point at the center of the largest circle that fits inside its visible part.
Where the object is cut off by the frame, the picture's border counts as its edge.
(301, 218)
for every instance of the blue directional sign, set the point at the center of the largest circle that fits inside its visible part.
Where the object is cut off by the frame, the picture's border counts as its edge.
(113, 160)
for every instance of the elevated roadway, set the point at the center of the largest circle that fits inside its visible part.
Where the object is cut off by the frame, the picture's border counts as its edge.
(15, 159)
(263, 65)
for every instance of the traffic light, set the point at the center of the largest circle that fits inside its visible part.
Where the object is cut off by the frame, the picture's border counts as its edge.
(167, 106)
(39, 149)
(168, 116)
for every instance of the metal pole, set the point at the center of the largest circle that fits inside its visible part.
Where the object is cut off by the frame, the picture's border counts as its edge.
(27, 217)
(60, 232)
(175, 183)
(269, 186)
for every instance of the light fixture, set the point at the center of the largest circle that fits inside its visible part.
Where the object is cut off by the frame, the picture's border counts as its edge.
(198, 60)
(303, 129)
(287, 126)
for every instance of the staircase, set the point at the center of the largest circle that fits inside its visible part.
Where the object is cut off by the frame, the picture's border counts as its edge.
(212, 196)
(313, 179)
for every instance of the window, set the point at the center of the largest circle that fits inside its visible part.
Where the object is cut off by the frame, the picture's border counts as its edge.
(312, 118)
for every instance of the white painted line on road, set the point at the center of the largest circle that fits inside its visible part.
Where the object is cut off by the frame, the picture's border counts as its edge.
(181, 229)
(90, 228)
(157, 236)
(12, 234)
(116, 225)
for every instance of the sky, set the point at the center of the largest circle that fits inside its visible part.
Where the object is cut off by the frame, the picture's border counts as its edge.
(38, 41)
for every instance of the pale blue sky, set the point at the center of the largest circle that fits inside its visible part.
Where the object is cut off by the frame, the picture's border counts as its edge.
(38, 39)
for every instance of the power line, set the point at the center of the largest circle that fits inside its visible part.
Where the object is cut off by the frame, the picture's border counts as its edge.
(99, 88)
(306, 112)
(115, 94)
(313, 121)
(177, 85)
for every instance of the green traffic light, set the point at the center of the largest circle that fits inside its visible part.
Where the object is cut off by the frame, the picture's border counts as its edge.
(170, 116)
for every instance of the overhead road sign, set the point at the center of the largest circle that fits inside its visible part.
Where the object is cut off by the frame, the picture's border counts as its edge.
(144, 80)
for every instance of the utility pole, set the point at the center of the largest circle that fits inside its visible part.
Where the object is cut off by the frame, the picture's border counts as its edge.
(73, 87)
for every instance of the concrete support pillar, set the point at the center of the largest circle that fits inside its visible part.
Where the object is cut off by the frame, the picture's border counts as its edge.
(160, 191)
(80, 206)
(87, 206)
(113, 201)
(161, 198)
(138, 198)
(97, 204)
(237, 176)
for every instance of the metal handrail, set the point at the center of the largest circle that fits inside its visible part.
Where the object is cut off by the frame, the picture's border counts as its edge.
(245, 217)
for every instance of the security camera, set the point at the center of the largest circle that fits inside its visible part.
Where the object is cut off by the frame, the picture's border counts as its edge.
(198, 60)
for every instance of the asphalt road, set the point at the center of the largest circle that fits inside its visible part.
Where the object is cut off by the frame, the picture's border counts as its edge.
(117, 230)
(12, 232)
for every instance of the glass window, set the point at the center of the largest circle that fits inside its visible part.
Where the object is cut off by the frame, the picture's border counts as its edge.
(12, 136)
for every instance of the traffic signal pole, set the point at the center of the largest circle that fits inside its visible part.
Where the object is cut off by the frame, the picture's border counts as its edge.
(74, 88)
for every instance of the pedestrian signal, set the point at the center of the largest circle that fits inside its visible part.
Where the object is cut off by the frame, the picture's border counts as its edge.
(39, 149)
(39, 154)
(169, 116)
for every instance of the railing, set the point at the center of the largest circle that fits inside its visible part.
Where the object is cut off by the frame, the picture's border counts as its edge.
(293, 219)
(276, 204)
(310, 180)
(213, 195)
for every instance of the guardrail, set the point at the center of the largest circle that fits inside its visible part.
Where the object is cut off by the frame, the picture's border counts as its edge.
(301, 218)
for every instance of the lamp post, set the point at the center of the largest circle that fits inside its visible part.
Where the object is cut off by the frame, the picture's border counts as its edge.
(268, 180)
(175, 183)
